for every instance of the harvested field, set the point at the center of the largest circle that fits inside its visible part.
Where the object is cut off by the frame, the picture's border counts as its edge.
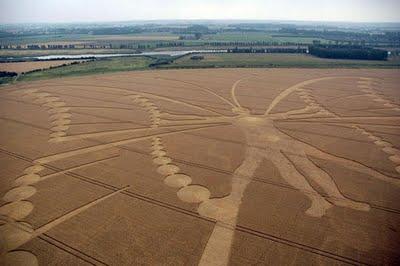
(20, 67)
(135, 37)
(62, 42)
(202, 167)
(22, 53)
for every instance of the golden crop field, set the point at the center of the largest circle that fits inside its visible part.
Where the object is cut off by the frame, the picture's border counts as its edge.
(20, 67)
(202, 167)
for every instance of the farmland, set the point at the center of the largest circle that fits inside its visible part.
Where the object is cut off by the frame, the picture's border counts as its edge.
(82, 38)
(199, 167)
(18, 54)
(181, 35)
(227, 60)
(263, 37)
(20, 67)
(253, 152)
(199, 133)
(271, 43)
(91, 67)
(276, 60)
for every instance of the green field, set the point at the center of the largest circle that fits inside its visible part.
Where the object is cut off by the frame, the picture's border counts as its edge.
(148, 36)
(152, 36)
(91, 67)
(257, 36)
(276, 60)
(72, 38)
(42, 38)
(6, 80)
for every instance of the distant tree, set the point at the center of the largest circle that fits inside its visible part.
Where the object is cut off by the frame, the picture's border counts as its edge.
(198, 35)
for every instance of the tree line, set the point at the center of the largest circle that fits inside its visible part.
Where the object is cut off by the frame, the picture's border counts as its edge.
(268, 50)
(347, 52)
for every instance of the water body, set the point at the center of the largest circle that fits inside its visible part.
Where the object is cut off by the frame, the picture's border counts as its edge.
(80, 56)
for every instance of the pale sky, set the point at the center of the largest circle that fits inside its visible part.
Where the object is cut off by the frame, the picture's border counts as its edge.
(16, 11)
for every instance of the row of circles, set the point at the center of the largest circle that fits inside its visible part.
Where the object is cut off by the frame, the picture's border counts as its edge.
(387, 147)
(173, 176)
(150, 107)
(305, 94)
(15, 231)
(366, 87)
(60, 117)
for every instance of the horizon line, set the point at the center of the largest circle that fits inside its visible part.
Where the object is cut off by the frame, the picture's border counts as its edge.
(199, 19)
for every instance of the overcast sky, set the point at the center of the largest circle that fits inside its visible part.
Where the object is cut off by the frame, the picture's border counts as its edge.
(12, 11)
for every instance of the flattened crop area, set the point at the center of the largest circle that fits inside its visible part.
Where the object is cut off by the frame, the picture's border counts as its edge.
(202, 167)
